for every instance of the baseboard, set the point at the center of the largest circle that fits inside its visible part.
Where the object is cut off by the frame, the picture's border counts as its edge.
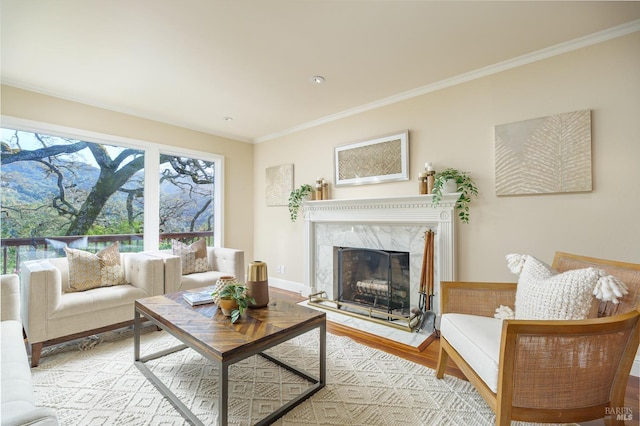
(289, 286)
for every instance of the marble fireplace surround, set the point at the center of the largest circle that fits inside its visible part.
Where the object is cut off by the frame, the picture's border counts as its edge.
(390, 223)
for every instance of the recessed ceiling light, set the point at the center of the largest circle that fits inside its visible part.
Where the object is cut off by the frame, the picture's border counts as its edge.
(227, 118)
(317, 79)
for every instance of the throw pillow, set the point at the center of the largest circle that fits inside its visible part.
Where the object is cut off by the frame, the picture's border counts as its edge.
(84, 270)
(543, 293)
(187, 256)
(193, 257)
(88, 270)
(111, 272)
(202, 262)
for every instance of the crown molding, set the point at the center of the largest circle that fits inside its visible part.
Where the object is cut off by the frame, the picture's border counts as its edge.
(539, 55)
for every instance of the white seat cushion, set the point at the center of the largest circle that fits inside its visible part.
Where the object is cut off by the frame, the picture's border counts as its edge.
(477, 340)
(96, 299)
(201, 279)
(17, 390)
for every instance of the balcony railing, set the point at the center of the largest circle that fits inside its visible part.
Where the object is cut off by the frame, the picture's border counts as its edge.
(14, 250)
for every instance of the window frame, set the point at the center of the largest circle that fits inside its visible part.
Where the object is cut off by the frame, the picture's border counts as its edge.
(152, 151)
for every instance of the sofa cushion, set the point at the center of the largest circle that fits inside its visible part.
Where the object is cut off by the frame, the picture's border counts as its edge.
(202, 279)
(544, 294)
(17, 390)
(97, 299)
(477, 340)
(88, 270)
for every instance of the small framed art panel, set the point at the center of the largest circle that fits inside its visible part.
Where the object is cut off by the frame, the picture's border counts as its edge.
(382, 159)
(279, 184)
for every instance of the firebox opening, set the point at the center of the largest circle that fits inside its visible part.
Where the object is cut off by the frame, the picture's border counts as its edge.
(377, 280)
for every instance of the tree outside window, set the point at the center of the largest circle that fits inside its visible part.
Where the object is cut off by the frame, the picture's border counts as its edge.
(58, 186)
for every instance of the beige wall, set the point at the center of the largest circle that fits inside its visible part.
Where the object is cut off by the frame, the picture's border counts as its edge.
(451, 128)
(454, 128)
(238, 156)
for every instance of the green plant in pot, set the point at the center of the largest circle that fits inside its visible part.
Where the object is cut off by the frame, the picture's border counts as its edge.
(296, 198)
(463, 184)
(233, 300)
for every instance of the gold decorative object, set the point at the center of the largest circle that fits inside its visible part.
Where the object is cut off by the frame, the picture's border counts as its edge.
(258, 284)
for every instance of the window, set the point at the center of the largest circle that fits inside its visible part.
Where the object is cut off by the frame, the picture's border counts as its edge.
(187, 195)
(61, 182)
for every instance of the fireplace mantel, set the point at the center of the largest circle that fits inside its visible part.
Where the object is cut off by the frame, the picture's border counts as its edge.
(387, 220)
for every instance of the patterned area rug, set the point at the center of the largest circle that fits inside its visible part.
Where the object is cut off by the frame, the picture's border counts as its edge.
(97, 383)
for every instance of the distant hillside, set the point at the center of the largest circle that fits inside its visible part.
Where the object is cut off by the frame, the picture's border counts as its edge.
(32, 183)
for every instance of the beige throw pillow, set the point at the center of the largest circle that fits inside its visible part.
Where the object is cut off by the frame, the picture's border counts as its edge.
(88, 270)
(202, 261)
(84, 270)
(187, 256)
(111, 271)
(193, 257)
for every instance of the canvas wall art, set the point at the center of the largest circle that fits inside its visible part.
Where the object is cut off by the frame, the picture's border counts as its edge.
(279, 184)
(544, 155)
(382, 159)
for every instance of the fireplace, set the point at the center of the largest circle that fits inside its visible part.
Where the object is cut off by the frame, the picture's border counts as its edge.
(374, 279)
(394, 224)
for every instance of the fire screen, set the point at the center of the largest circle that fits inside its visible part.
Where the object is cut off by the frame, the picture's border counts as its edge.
(375, 279)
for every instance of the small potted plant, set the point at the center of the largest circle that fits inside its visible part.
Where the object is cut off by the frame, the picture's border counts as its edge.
(296, 198)
(233, 300)
(463, 184)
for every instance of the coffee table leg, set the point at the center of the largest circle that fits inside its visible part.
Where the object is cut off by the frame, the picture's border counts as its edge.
(323, 354)
(136, 335)
(223, 397)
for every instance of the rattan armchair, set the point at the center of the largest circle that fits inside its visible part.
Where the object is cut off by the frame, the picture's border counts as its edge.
(553, 371)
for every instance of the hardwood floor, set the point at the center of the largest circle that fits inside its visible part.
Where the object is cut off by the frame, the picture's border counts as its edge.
(428, 355)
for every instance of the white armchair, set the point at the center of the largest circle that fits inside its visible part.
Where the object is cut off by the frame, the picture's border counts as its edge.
(547, 371)
(222, 262)
(52, 315)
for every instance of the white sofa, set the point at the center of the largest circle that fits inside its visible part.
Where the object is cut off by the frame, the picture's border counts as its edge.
(222, 262)
(50, 315)
(18, 403)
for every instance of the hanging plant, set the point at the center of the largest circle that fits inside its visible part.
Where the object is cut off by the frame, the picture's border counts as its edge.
(464, 185)
(296, 199)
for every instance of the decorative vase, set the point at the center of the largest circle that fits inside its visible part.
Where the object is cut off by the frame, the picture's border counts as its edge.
(258, 284)
(450, 186)
(227, 306)
(220, 284)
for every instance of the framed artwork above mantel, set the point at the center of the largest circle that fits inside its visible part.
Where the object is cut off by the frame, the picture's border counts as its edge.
(381, 159)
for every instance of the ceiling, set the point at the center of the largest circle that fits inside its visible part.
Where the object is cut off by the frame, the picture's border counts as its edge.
(193, 62)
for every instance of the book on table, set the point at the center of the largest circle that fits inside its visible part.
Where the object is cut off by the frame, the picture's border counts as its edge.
(199, 298)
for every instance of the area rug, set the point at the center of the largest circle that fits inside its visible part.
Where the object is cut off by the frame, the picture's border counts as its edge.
(95, 382)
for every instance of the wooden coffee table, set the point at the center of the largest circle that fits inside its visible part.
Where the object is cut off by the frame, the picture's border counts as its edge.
(205, 330)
